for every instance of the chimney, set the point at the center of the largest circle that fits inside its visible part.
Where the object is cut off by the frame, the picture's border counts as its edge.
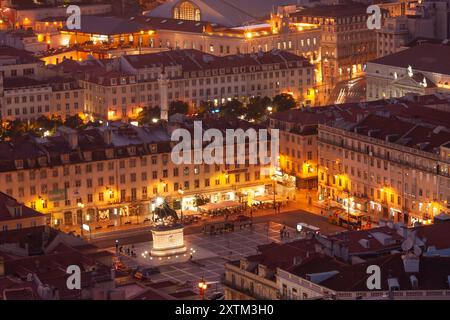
(411, 263)
(70, 135)
(107, 136)
(414, 282)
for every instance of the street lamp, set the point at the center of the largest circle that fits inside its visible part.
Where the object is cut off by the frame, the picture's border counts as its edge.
(274, 192)
(81, 206)
(181, 192)
(202, 285)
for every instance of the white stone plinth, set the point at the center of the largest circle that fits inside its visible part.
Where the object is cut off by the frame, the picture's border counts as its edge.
(168, 240)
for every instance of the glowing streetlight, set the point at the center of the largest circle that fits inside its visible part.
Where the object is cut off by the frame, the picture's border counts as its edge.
(159, 201)
(202, 285)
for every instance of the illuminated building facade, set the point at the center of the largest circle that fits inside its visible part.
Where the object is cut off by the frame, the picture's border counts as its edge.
(298, 144)
(346, 43)
(120, 88)
(115, 174)
(28, 90)
(114, 36)
(387, 166)
(415, 70)
(28, 99)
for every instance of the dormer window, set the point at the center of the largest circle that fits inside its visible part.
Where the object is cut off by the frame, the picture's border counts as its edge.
(113, 81)
(19, 164)
(153, 148)
(31, 163)
(42, 161)
(65, 158)
(132, 150)
(109, 153)
(87, 155)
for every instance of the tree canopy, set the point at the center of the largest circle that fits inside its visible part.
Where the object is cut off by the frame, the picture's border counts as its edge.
(147, 114)
(178, 106)
(232, 108)
(283, 102)
(256, 108)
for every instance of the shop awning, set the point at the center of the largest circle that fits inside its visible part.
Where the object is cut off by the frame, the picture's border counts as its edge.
(269, 198)
(220, 205)
(188, 212)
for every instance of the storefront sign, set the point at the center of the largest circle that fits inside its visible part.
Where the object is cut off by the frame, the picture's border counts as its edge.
(57, 195)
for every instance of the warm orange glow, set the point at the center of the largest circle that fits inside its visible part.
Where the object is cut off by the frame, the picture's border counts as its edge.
(111, 114)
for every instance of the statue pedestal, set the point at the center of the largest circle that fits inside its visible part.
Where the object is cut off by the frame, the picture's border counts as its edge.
(168, 240)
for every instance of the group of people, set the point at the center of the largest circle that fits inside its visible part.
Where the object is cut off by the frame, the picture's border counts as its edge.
(129, 251)
(284, 233)
(227, 212)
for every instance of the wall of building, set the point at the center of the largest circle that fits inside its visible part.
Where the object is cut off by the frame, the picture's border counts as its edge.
(382, 178)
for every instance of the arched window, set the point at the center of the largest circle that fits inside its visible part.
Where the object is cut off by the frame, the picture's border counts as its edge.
(186, 10)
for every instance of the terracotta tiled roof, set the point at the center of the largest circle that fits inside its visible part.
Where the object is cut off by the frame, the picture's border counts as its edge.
(425, 57)
(432, 275)
(437, 235)
(7, 202)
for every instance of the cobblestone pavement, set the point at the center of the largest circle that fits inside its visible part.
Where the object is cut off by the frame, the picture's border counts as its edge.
(211, 253)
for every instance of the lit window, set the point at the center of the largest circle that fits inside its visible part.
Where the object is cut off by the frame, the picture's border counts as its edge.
(186, 11)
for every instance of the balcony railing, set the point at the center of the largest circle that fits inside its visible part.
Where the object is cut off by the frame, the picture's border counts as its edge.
(244, 290)
(399, 162)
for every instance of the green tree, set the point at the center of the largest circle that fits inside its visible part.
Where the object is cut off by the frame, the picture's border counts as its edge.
(283, 102)
(206, 107)
(74, 122)
(256, 108)
(178, 106)
(16, 127)
(146, 115)
(232, 108)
